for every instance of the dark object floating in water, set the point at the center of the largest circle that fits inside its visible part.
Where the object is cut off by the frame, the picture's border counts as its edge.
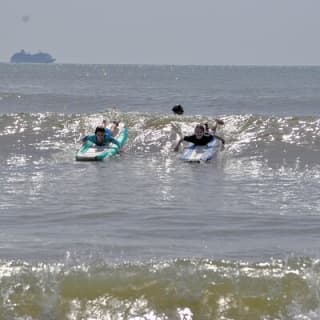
(24, 57)
(178, 109)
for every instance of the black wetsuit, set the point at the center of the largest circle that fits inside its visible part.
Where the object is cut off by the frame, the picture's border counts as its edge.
(199, 142)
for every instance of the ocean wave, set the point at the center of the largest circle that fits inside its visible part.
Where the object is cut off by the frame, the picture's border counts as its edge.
(244, 134)
(177, 289)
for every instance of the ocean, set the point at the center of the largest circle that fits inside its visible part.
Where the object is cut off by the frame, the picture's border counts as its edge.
(145, 235)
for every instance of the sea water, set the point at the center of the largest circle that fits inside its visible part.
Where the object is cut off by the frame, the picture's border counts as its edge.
(145, 235)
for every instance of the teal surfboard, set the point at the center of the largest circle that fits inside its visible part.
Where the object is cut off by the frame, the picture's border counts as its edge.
(91, 152)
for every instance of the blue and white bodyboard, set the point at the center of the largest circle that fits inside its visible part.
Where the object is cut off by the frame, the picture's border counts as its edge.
(196, 153)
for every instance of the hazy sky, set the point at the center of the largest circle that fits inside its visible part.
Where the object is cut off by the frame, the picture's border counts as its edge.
(212, 32)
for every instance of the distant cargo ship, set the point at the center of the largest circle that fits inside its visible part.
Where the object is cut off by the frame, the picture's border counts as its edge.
(24, 57)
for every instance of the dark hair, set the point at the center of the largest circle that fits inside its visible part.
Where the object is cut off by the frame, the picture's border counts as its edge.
(99, 129)
(115, 122)
(177, 109)
(201, 126)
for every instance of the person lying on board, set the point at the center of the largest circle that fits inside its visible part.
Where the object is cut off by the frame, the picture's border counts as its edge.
(100, 138)
(199, 138)
(113, 130)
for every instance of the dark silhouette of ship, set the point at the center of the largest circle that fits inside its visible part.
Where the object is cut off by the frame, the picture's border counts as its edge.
(24, 57)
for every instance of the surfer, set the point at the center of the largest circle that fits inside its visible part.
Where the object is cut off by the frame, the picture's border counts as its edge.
(100, 138)
(199, 138)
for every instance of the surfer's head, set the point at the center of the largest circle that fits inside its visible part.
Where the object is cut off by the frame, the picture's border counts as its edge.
(199, 131)
(177, 109)
(99, 132)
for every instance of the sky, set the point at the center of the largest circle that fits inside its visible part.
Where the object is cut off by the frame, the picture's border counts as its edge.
(175, 32)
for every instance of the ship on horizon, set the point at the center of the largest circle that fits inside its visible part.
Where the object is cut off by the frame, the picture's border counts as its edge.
(25, 57)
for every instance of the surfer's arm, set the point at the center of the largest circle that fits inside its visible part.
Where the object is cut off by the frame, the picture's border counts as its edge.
(219, 138)
(91, 138)
(113, 140)
(176, 147)
(84, 138)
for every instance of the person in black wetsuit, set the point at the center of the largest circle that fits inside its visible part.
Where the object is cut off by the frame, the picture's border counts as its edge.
(198, 138)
